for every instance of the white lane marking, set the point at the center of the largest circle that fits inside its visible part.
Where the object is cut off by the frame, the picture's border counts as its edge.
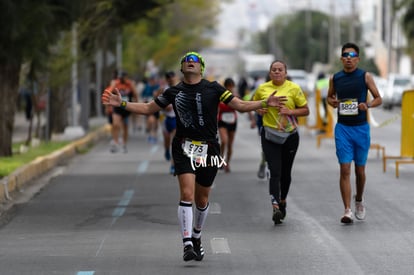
(122, 205)
(220, 246)
(143, 166)
(117, 212)
(215, 208)
(154, 149)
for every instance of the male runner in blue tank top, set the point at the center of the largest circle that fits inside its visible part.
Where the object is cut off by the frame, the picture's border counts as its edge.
(348, 91)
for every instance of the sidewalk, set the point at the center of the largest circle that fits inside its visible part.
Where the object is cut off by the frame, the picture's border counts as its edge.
(21, 126)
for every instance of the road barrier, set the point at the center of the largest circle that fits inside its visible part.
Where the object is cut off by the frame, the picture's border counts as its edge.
(318, 118)
(407, 134)
(328, 127)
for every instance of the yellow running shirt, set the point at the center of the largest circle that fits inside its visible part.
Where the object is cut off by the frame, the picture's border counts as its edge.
(295, 98)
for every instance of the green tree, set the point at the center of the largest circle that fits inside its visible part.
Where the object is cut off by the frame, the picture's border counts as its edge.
(168, 32)
(302, 38)
(28, 28)
(34, 26)
(407, 23)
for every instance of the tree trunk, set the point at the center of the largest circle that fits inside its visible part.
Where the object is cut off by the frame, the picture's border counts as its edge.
(60, 99)
(9, 83)
(84, 88)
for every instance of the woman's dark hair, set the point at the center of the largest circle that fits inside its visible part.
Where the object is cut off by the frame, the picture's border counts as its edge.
(229, 82)
(278, 61)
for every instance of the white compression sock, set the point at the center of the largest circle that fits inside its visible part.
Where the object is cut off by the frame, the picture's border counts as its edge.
(185, 217)
(199, 220)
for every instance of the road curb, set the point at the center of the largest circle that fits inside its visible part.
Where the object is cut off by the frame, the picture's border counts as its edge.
(22, 176)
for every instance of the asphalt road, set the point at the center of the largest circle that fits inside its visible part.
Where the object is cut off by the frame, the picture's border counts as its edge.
(106, 213)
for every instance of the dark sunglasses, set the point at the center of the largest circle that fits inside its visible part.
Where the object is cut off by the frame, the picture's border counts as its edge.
(350, 54)
(191, 57)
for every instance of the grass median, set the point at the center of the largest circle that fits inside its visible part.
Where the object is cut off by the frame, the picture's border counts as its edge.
(9, 164)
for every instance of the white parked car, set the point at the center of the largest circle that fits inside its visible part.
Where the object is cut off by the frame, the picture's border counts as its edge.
(301, 78)
(396, 86)
(382, 85)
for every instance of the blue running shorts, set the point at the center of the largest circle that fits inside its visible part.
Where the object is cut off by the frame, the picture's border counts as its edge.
(170, 124)
(352, 143)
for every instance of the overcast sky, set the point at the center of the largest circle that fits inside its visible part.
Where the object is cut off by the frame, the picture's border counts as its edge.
(256, 14)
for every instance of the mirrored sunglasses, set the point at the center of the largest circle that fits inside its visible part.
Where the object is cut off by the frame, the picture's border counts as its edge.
(191, 57)
(350, 54)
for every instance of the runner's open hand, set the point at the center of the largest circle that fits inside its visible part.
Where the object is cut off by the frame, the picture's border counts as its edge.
(276, 101)
(111, 97)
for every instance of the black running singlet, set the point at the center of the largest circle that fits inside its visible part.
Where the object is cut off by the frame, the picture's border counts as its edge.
(196, 108)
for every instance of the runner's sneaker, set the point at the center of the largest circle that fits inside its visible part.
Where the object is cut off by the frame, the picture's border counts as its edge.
(347, 217)
(282, 208)
(189, 253)
(113, 148)
(261, 172)
(198, 248)
(277, 216)
(167, 155)
(359, 209)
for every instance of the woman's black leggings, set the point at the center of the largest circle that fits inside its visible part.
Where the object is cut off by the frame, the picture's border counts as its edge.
(280, 159)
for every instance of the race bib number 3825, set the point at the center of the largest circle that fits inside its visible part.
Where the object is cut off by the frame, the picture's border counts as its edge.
(348, 107)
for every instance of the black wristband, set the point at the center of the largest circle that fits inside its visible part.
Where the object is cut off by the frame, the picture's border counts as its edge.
(123, 104)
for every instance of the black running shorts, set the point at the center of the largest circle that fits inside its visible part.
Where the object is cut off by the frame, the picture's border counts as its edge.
(206, 173)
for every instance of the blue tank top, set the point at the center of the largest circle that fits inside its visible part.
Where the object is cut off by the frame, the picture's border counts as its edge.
(351, 89)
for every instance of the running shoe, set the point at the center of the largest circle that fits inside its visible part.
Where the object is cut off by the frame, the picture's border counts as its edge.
(282, 208)
(189, 253)
(198, 249)
(113, 148)
(167, 155)
(261, 172)
(152, 140)
(347, 217)
(359, 209)
(277, 216)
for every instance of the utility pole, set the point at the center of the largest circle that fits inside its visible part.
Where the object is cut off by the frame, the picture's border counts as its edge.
(74, 130)
(390, 21)
(308, 24)
(353, 22)
(331, 26)
(74, 73)
(99, 86)
(119, 51)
